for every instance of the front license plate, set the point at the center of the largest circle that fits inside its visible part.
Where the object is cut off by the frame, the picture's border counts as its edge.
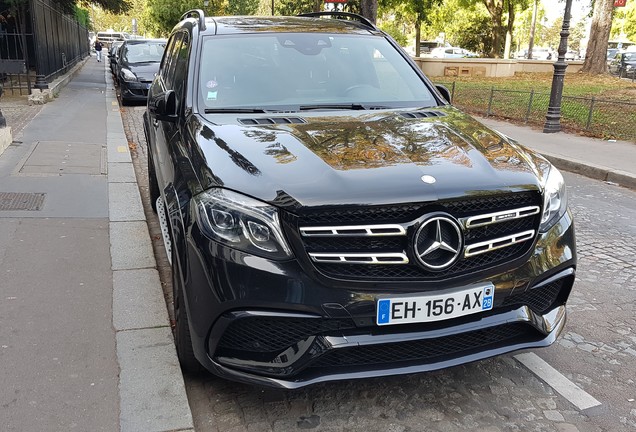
(426, 308)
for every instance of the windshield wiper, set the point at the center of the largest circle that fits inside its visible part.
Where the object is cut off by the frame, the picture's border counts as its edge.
(234, 111)
(332, 107)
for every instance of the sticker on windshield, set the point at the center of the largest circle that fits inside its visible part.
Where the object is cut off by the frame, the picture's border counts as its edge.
(212, 95)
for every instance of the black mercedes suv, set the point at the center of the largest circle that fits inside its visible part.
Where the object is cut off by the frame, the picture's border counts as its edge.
(329, 215)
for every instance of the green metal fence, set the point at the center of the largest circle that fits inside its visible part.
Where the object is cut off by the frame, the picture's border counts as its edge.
(595, 117)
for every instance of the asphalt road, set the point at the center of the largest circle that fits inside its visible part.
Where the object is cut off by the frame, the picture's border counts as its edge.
(533, 392)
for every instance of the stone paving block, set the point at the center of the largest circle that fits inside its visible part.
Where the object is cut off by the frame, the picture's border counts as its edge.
(153, 397)
(125, 202)
(130, 246)
(566, 427)
(121, 172)
(117, 136)
(118, 151)
(553, 415)
(138, 300)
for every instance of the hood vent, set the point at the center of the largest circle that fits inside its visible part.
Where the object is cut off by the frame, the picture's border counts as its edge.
(422, 114)
(271, 121)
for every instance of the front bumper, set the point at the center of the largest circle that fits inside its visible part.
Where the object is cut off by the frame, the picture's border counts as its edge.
(134, 90)
(270, 323)
(514, 330)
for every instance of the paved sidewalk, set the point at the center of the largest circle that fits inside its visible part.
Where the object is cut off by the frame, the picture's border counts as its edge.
(613, 161)
(85, 341)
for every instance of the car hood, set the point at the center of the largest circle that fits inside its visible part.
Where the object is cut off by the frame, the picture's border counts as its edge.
(143, 71)
(366, 158)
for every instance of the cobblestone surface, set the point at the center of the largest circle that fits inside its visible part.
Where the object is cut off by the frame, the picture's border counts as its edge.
(18, 113)
(597, 352)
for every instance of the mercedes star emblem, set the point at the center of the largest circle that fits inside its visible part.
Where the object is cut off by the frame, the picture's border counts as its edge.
(438, 242)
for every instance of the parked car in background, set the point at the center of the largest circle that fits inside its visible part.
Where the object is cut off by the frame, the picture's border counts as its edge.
(611, 53)
(328, 215)
(137, 65)
(623, 64)
(107, 37)
(539, 53)
(452, 52)
(113, 56)
(426, 47)
(571, 55)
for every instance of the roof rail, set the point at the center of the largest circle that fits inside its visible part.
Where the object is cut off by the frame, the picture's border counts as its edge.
(195, 13)
(352, 16)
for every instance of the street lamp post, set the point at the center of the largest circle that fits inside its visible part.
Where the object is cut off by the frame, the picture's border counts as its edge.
(553, 117)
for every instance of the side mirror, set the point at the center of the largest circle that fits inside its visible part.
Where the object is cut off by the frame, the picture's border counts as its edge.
(444, 92)
(164, 106)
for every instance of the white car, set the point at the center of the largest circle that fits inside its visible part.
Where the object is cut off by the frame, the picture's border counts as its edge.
(451, 52)
(539, 53)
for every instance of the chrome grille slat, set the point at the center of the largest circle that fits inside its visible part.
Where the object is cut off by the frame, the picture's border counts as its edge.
(501, 216)
(498, 243)
(360, 258)
(354, 231)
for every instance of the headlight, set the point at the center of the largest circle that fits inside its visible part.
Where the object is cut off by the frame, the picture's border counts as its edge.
(128, 75)
(241, 223)
(555, 201)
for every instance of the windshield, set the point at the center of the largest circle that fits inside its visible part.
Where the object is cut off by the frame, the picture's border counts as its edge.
(143, 52)
(306, 71)
(629, 56)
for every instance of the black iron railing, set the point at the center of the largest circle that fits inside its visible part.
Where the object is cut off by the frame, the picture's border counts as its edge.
(599, 117)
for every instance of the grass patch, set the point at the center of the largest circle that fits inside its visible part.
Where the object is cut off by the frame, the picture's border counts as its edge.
(525, 98)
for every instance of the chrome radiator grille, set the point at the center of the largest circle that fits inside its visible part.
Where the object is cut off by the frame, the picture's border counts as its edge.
(377, 243)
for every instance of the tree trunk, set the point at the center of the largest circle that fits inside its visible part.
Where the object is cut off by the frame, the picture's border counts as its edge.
(418, 35)
(317, 5)
(497, 32)
(369, 10)
(596, 54)
(495, 9)
(509, 28)
(533, 26)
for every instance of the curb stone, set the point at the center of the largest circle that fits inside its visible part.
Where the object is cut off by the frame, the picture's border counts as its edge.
(151, 385)
(596, 172)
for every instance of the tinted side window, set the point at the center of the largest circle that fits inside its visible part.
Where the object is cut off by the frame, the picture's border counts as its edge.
(170, 60)
(181, 68)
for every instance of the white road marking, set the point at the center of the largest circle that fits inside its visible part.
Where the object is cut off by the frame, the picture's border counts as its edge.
(555, 379)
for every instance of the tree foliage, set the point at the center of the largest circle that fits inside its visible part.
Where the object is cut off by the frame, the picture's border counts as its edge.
(295, 7)
(82, 16)
(625, 22)
(122, 22)
(395, 30)
(453, 17)
(502, 14)
(163, 15)
(418, 9)
(242, 7)
(68, 6)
